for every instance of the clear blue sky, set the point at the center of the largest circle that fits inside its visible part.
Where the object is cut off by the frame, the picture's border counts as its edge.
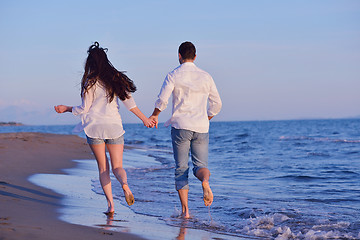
(271, 60)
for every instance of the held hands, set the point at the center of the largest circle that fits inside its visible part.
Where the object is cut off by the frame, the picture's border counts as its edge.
(155, 116)
(155, 120)
(149, 123)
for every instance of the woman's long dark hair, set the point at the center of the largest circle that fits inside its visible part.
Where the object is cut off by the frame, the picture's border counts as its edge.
(99, 68)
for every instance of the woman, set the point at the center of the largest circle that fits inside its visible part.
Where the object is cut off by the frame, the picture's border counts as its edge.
(101, 87)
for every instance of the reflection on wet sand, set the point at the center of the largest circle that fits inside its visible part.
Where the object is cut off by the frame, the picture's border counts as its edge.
(110, 223)
(183, 230)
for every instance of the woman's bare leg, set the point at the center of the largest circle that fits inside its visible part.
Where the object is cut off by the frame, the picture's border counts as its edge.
(104, 173)
(116, 158)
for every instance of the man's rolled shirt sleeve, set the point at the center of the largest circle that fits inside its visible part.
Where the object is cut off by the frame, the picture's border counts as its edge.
(215, 102)
(165, 93)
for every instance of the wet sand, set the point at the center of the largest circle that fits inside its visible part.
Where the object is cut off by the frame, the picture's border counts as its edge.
(28, 211)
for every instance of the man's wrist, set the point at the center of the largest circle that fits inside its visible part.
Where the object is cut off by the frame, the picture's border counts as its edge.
(156, 112)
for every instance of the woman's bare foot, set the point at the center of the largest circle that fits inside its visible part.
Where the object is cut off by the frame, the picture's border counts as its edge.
(109, 214)
(110, 211)
(207, 193)
(128, 195)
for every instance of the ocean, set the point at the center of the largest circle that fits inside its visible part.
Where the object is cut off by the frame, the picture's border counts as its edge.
(297, 179)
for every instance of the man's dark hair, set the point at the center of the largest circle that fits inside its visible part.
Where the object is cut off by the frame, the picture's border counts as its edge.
(187, 50)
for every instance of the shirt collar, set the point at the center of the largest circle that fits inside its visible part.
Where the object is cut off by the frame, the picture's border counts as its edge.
(188, 63)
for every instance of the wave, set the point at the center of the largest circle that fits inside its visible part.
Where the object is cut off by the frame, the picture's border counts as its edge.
(241, 136)
(296, 138)
(330, 200)
(284, 226)
(301, 178)
(317, 154)
(340, 172)
(134, 142)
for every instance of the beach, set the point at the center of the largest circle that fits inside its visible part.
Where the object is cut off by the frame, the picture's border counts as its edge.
(271, 179)
(28, 211)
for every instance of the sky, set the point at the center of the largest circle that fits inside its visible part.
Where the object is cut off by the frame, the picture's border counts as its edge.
(270, 60)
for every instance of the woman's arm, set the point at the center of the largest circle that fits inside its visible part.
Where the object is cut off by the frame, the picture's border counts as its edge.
(147, 121)
(63, 108)
(131, 106)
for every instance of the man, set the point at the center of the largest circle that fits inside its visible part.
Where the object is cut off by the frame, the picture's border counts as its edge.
(195, 101)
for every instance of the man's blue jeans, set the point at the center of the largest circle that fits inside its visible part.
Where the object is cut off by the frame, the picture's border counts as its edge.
(185, 141)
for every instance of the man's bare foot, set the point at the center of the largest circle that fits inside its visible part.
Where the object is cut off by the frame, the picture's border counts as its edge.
(128, 195)
(208, 195)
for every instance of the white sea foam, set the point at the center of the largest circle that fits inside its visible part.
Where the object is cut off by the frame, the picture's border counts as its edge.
(284, 233)
(276, 225)
(266, 225)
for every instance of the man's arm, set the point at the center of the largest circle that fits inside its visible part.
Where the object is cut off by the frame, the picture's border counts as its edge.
(215, 102)
(163, 97)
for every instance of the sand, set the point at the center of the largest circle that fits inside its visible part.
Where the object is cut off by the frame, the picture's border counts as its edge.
(28, 211)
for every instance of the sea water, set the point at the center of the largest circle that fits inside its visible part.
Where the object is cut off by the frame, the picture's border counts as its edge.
(271, 179)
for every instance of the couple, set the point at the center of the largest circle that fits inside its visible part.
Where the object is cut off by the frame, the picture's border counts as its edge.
(195, 101)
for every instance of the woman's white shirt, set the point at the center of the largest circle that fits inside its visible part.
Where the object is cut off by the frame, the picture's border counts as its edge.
(99, 118)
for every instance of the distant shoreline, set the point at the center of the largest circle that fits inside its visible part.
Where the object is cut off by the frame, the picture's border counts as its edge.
(2, 124)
